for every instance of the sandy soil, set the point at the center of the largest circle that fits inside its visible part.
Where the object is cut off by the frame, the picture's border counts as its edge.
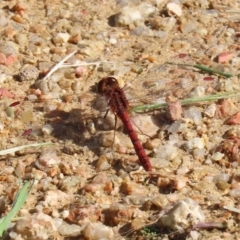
(89, 183)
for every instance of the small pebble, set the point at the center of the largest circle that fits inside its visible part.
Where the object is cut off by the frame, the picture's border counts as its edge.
(48, 158)
(221, 177)
(225, 57)
(70, 230)
(134, 15)
(128, 16)
(8, 48)
(195, 143)
(96, 231)
(102, 163)
(211, 110)
(80, 71)
(38, 220)
(167, 152)
(199, 153)
(3, 19)
(174, 8)
(176, 218)
(198, 91)
(56, 198)
(60, 38)
(28, 73)
(47, 129)
(217, 156)
(194, 114)
(11, 59)
(2, 58)
(235, 193)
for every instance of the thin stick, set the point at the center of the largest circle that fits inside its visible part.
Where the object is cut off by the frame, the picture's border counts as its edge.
(59, 65)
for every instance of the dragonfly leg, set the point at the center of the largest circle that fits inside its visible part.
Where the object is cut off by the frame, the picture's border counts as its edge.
(106, 113)
(115, 125)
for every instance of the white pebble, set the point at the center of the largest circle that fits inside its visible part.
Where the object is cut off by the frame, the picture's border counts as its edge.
(32, 97)
(174, 8)
(121, 71)
(235, 61)
(182, 170)
(194, 235)
(1, 126)
(3, 78)
(70, 230)
(57, 222)
(211, 110)
(146, 9)
(235, 164)
(65, 214)
(49, 107)
(8, 170)
(199, 153)
(129, 16)
(168, 23)
(55, 214)
(48, 158)
(96, 231)
(39, 208)
(113, 41)
(135, 15)
(13, 235)
(230, 31)
(195, 143)
(160, 34)
(221, 177)
(198, 91)
(142, 31)
(194, 114)
(235, 193)
(208, 161)
(3, 19)
(167, 152)
(47, 129)
(217, 156)
(56, 198)
(177, 218)
(61, 38)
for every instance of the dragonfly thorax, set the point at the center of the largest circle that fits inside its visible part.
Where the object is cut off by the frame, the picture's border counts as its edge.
(106, 84)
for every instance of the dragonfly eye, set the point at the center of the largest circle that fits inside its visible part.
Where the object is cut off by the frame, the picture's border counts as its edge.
(101, 86)
(107, 83)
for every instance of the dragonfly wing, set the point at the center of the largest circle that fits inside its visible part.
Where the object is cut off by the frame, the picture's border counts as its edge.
(168, 80)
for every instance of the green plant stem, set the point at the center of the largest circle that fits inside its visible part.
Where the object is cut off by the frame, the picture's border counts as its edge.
(203, 68)
(151, 107)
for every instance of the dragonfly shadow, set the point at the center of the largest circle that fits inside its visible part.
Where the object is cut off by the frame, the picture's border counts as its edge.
(161, 120)
(71, 126)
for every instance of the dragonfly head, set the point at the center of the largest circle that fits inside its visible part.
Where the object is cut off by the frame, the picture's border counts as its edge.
(106, 84)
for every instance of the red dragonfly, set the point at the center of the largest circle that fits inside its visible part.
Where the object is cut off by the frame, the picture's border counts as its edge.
(159, 82)
(119, 105)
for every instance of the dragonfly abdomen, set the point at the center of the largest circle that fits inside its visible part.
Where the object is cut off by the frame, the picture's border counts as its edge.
(142, 156)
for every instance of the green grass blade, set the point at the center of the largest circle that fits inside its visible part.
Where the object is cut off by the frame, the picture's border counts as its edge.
(18, 203)
(151, 107)
(203, 68)
(12, 150)
(210, 70)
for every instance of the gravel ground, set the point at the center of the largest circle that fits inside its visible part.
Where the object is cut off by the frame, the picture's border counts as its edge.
(87, 185)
